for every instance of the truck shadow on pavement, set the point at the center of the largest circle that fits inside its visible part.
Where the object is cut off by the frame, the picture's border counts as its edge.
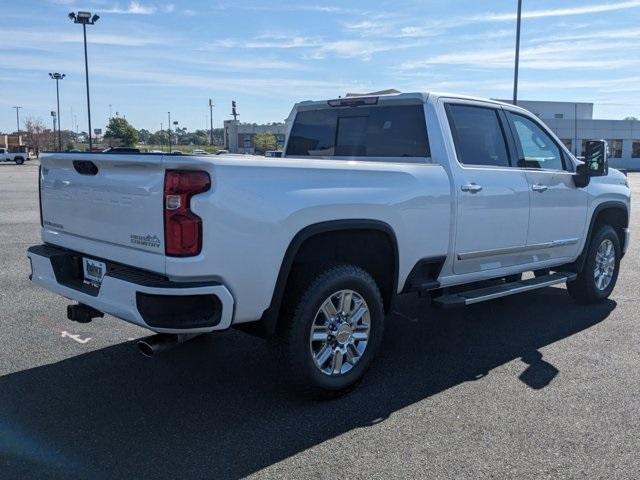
(219, 409)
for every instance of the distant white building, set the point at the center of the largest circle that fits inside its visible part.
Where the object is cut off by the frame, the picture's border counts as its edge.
(238, 137)
(574, 124)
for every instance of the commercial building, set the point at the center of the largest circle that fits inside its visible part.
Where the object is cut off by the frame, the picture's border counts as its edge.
(574, 124)
(238, 137)
(11, 141)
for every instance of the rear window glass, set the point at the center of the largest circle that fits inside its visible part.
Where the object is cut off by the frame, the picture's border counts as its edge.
(478, 135)
(394, 131)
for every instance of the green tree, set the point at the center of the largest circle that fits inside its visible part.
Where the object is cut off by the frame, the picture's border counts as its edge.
(200, 137)
(143, 135)
(121, 130)
(265, 141)
(631, 118)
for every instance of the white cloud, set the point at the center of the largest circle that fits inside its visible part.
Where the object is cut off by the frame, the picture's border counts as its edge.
(169, 8)
(551, 56)
(38, 39)
(362, 49)
(560, 12)
(134, 8)
(271, 41)
(618, 34)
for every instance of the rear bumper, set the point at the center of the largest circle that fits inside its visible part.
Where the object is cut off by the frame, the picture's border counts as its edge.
(145, 299)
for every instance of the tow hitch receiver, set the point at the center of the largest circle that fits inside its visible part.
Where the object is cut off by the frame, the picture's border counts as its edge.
(82, 313)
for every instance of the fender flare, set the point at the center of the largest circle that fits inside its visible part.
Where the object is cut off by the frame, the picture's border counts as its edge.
(270, 315)
(579, 263)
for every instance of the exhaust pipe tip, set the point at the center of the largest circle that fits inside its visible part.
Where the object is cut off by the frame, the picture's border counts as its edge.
(145, 348)
(151, 346)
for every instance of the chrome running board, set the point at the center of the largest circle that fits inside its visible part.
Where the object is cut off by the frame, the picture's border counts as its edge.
(478, 295)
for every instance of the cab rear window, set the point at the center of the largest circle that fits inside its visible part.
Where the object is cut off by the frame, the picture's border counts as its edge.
(384, 131)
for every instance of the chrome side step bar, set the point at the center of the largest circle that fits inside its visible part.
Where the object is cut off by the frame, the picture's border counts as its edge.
(478, 295)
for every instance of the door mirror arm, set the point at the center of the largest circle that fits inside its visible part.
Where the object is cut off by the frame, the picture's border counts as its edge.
(581, 178)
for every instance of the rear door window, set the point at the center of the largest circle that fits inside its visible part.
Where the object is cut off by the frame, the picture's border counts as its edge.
(385, 131)
(478, 135)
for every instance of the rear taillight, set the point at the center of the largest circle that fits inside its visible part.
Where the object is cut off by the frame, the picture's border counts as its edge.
(182, 227)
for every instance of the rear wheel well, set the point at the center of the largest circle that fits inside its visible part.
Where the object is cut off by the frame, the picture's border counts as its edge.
(370, 245)
(371, 250)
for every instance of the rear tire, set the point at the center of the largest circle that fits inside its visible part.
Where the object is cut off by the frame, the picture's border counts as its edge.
(19, 160)
(327, 341)
(599, 274)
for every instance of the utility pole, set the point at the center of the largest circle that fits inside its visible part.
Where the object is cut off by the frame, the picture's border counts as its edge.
(211, 122)
(169, 128)
(18, 118)
(515, 74)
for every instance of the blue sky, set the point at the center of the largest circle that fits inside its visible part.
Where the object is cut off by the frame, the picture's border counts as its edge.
(150, 56)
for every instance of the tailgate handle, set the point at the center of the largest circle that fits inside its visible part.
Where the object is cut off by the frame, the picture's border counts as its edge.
(85, 167)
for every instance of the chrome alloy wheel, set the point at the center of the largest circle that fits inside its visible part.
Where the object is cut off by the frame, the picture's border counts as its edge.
(340, 332)
(605, 264)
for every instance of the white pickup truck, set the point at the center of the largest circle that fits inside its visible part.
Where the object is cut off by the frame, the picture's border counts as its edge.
(376, 196)
(18, 157)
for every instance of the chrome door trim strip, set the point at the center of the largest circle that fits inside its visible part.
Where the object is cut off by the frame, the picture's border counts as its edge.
(516, 249)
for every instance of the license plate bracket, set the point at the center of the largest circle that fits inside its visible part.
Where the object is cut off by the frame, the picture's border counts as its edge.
(94, 271)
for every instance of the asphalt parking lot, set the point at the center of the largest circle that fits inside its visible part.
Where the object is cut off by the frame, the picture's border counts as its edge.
(531, 386)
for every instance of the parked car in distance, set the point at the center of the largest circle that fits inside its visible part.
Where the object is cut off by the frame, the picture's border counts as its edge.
(447, 196)
(273, 153)
(222, 152)
(199, 151)
(17, 157)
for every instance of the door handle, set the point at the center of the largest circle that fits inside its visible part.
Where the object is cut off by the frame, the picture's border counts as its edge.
(537, 187)
(471, 187)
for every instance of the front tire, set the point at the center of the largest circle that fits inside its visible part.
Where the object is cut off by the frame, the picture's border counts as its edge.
(328, 340)
(599, 274)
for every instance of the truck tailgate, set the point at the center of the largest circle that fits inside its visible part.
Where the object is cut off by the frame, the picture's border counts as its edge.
(105, 205)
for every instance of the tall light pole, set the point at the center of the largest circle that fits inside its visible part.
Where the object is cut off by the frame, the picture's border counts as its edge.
(175, 128)
(169, 128)
(18, 118)
(211, 122)
(57, 77)
(85, 18)
(53, 121)
(515, 73)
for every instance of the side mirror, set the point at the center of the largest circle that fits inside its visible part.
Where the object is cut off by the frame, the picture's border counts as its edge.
(596, 158)
(595, 163)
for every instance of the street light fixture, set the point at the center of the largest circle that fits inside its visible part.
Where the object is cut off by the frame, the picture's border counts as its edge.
(84, 19)
(57, 77)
